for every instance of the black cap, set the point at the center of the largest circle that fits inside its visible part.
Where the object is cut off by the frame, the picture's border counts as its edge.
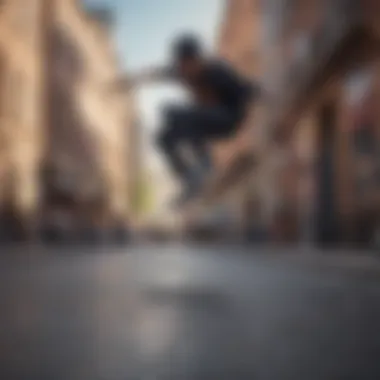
(186, 46)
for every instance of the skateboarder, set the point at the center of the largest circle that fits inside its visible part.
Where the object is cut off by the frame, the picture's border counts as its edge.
(220, 103)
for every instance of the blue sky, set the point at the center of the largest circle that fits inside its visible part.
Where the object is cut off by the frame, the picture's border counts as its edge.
(143, 30)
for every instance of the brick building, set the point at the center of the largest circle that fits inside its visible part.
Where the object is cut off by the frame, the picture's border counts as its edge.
(320, 62)
(65, 143)
(86, 166)
(326, 91)
(22, 31)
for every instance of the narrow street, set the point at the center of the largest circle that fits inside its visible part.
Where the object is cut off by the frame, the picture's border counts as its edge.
(129, 130)
(175, 312)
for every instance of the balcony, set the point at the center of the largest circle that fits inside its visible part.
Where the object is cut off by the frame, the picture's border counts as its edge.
(344, 26)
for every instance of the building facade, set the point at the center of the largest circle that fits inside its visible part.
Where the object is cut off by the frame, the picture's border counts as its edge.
(320, 64)
(86, 167)
(326, 91)
(22, 39)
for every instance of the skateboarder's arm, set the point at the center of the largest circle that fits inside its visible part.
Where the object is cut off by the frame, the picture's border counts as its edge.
(148, 76)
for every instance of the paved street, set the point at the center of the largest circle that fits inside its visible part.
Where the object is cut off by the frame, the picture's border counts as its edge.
(188, 313)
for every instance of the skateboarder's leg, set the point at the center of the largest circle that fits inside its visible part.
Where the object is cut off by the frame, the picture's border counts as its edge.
(208, 124)
(174, 134)
(172, 137)
(195, 127)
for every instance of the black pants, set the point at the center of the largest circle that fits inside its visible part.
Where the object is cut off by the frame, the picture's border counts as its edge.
(194, 127)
